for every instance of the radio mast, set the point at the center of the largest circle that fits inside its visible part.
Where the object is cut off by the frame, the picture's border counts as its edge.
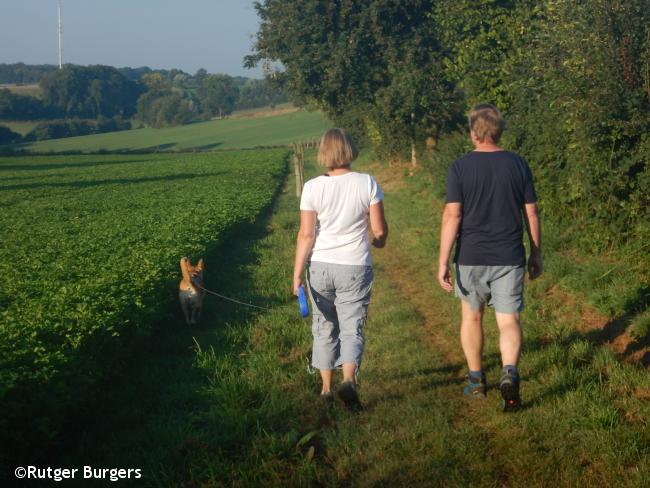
(60, 37)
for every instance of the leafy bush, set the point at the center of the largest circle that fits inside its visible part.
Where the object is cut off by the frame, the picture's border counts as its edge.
(56, 129)
(572, 81)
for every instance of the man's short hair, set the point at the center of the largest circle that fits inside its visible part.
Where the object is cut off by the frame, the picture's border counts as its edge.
(336, 149)
(486, 121)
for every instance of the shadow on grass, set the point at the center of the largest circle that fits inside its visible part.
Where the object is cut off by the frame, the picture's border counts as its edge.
(205, 147)
(618, 326)
(149, 149)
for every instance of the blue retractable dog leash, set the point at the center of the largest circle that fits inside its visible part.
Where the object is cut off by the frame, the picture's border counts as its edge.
(303, 306)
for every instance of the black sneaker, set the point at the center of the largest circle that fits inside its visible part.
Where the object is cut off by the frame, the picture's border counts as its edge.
(347, 392)
(327, 398)
(509, 387)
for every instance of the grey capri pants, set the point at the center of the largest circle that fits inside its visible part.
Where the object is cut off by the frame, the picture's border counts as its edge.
(340, 294)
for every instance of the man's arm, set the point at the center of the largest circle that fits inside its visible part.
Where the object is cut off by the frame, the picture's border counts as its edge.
(448, 231)
(534, 230)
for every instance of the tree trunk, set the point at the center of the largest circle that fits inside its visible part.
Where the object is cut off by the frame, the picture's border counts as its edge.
(414, 161)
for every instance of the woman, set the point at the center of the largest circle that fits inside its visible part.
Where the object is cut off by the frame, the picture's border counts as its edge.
(333, 242)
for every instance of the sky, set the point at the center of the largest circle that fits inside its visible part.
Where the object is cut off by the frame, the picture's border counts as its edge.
(164, 34)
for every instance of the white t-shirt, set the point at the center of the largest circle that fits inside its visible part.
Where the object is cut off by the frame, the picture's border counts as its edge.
(341, 204)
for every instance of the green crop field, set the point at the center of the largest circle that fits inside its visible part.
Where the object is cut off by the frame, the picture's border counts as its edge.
(216, 134)
(89, 251)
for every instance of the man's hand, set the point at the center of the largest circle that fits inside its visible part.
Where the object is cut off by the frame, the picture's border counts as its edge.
(297, 281)
(534, 266)
(444, 277)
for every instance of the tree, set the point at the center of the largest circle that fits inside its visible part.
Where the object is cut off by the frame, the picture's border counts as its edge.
(260, 93)
(373, 66)
(22, 107)
(218, 94)
(200, 75)
(90, 92)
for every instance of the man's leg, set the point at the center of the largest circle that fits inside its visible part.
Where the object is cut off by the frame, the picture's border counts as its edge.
(471, 335)
(510, 344)
(509, 337)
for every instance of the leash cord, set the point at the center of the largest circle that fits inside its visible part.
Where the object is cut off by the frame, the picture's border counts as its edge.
(232, 299)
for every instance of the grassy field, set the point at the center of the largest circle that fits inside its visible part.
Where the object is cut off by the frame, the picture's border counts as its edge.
(33, 89)
(235, 133)
(253, 113)
(230, 403)
(90, 247)
(21, 127)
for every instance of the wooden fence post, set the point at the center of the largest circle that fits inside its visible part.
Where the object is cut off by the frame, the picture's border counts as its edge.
(298, 164)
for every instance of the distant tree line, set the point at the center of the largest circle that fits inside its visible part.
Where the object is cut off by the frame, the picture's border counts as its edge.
(572, 78)
(21, 73)
(110, 97)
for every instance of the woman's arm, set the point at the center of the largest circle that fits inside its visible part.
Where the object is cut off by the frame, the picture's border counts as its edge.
(378, 224)
(304, 245)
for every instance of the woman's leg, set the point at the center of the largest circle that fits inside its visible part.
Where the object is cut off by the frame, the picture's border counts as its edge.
(353, 289)
(326, 377)
(325, 327)
(349, 371)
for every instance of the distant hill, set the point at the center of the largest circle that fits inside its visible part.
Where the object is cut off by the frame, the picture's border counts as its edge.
(248, 130)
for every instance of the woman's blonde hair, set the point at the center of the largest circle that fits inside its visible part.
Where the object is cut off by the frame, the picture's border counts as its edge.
(336, 149)
(485, 120)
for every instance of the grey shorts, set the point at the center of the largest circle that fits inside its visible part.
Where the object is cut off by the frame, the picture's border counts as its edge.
(501, 287)
(340, 294)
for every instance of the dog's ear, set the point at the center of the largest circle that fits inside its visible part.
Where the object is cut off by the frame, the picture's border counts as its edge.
(184, 268)
(199, 266)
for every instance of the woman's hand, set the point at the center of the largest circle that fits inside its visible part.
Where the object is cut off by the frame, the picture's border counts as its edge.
(379, 243)
(297, 282)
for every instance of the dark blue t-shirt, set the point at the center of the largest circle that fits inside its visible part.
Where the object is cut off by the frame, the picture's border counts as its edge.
(493, 188)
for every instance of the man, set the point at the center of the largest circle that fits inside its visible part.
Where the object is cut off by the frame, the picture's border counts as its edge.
(488, 189)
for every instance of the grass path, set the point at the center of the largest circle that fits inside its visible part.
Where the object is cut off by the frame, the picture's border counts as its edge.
(230, 403)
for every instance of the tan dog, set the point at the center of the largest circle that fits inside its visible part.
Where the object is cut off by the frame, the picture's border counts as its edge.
(190, 290)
